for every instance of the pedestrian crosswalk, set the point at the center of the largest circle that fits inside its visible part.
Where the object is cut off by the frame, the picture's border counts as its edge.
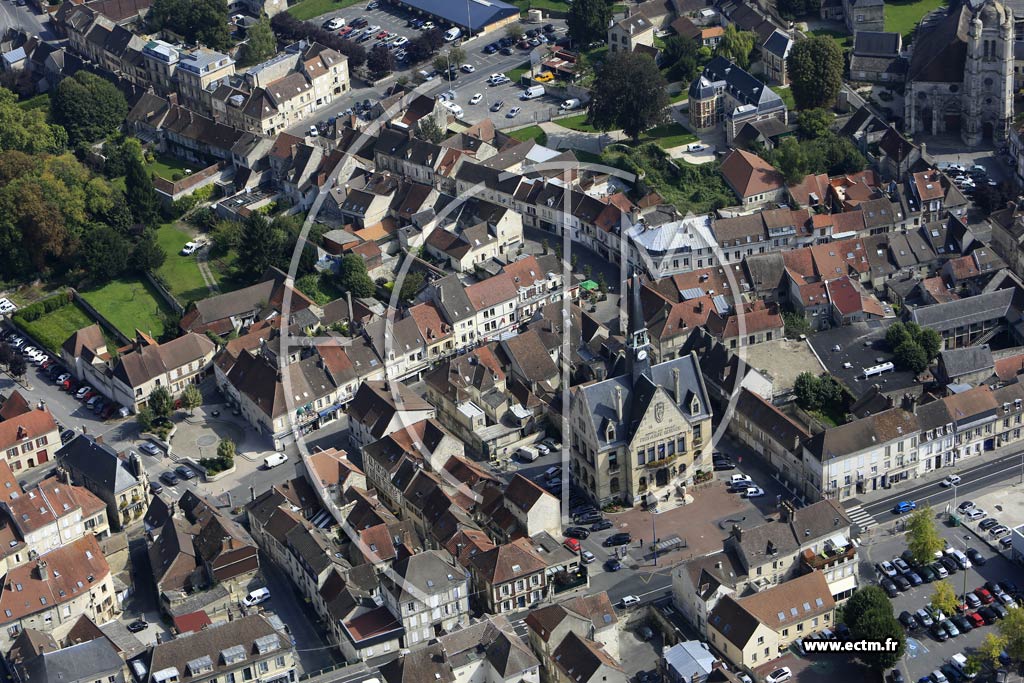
(861, 517)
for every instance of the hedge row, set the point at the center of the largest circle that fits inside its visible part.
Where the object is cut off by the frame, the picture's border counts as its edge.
(35, 311)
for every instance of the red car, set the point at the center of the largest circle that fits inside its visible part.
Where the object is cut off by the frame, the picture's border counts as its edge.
(382, 34)
(572, 544)
(976, 619)
(983, 595)
(345, 31)
(90, 394)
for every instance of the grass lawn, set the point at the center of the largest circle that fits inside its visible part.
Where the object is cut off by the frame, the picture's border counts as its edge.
(166, 166)
(588, 157)
(578, 122)
(904, 16)
(53, 329)
(556, 5)
(531, 133)
(309, 9)
(180, 273)
(669, 135)
(841, 39)
(787, 96)
(517, 73)
(129, 304)
(682, 96)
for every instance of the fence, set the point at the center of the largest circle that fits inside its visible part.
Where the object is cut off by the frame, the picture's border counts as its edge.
(165, 294)
(98, 317)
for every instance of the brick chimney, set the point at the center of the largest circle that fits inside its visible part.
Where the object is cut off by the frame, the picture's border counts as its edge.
(44, 572)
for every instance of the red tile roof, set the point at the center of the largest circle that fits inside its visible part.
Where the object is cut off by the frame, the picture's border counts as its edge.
(748, 174)
(30, 425)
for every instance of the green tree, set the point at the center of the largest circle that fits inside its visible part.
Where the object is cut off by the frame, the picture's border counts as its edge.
(104, 253)
(629, 93)
(514, 31)
(944, 598)
(411, 286)
(808, 391)
(17, 366)
(796, 324)
(911, 356)
(792, 9)
(198, 21)
(145, 418)
(990, 648)
(380, 61)
(896, 335)
(881, 628)
(814, 123)
(923, 538)
(866, 600)
(88, 107)
(225, 236)
(931, 342)
(815, 66)
(1012, 630)
(191, 398)
(148, 255)
(791, 160)
(352, 276)
(226, 450)
(260, 245)
(161, 402)
(683, 58)
(456, 55)
(736, 46)
(139, 193)
(260, 43)
(26, 130)
(427, 129)
(587, 21)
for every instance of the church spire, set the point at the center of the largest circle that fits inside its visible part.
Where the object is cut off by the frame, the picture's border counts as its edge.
(638, 352)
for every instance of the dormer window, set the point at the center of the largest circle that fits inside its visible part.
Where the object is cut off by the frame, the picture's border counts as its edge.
(695, 406)
(609, 434)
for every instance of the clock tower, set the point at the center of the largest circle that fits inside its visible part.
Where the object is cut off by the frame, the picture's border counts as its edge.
(638, 343)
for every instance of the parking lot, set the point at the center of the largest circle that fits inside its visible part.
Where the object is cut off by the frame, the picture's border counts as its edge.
(465, 85)
(924, 653)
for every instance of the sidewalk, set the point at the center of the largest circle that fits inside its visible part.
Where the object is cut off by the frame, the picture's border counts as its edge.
(962, 467)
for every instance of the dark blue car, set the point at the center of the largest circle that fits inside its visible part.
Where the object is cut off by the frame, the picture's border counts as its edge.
(904, 506)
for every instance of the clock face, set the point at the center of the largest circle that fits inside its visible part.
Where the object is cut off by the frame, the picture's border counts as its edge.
(641, 355)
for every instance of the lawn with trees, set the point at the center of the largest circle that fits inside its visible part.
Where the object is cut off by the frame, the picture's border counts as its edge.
(130, 304)
(179, 274)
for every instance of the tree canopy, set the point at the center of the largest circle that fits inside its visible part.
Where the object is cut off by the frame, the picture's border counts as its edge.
(352, 276)
(814, 123)
(260, 43)
(380, 61)
(923, 539)
(26, 130)
(914, 347)
(629, 93)
(587, 21)
(869, 616)
(829, 154)
(815, 66)
(684, 59)
(88, 107)
(289, 28)
(819, 393)
(944, 598)
(736, 45)
(197, 21)
(262, 244)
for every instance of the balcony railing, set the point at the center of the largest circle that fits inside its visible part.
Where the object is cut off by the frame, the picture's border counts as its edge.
(828, 558)
(566, 581)
(657, 464)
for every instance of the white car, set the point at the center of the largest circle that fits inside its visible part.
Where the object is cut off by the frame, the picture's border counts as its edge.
(886, 567)
(6, 307)
(468, 68)
(753, 492)
(779, 675)
(313, 132)
(475, 99)
(736, 478)
(402, 40)
(629, 600)
(588, 557)
(373, 29)
(513, 112)
(189, 248)
(542, 449)
(427, 26)
(951, 480)
(334, 24)
(975, 514)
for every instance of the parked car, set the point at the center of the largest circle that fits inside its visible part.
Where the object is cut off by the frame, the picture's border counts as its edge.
(621, 538)
(964, 506)
(169, 478)
(988, 523)
(973, 601)
(951, 480)
(67, 435)
(939, 569)
(901, 582)
(753, 492)
(780, 675)
(976, 619)
(588, 557)
(926, 573)
(976, 557)
(612, 565)
(913, 577)
(723, 465)
(138, 626)
(951, 630)
(962, 623)
(498, 105)
(889, 587)
(572, 544)
(513, 112)
(908, 620)
(901, 566)
(988, 615)
(83, 392)
(602, 525)
(886, 568)
(149, 448)
(975, 514)
(155, 487)
(184, 472)
(630, 600)
(923, 618)
(576, 532)
(998, 530)
(939, 633)
(984, 596)
(949, 563)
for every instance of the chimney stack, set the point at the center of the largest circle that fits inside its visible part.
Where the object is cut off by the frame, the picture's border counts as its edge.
(618, 403)
(44, 572)
(677, 384)
(737, 532)
(910, 403)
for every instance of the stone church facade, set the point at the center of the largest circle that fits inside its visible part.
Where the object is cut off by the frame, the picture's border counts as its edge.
(961, 73)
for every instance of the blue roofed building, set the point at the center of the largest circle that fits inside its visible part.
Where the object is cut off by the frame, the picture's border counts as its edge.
(472, 16)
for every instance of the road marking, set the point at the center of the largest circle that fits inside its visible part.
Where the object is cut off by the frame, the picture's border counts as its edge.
(889, 500)
(861, 517)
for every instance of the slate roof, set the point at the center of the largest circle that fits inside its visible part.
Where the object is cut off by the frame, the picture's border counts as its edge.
(98, 463)
(214, 640)
(940, 48)
(966, 360)
(975, 309)
(92, 660)
(742, 86)
(877, 43)
(495, 640)
(861, 434)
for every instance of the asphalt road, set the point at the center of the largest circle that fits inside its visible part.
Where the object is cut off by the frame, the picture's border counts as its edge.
(13, 16)
(975, 479)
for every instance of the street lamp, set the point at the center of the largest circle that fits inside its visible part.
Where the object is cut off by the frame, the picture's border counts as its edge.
(964, 539)
(654, 536)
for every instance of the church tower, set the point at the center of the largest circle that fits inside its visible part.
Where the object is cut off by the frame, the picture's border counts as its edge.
(987, 100)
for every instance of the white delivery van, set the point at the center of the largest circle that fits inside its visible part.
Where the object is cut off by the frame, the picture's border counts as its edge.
(452, 34)
(454, 109)
(274, 460)
(569, 105)
(959, 663)
(528, 453)
(256, 597)
(533, 92)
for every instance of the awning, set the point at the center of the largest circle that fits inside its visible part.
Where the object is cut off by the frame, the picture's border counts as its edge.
(328, 410)
(589, 285)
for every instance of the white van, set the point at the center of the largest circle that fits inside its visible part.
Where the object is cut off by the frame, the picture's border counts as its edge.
(272, 461)
(528, 453)
(452, 34)
(454, 109)
(257, 596)
(533, 92)
(569, 105)
(960, 558)
(959, 663)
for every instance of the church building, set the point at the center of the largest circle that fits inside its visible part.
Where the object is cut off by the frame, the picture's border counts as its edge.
(961, 75)
(639, 435)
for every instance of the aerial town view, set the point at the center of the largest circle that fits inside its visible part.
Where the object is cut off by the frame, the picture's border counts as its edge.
(512, 341)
